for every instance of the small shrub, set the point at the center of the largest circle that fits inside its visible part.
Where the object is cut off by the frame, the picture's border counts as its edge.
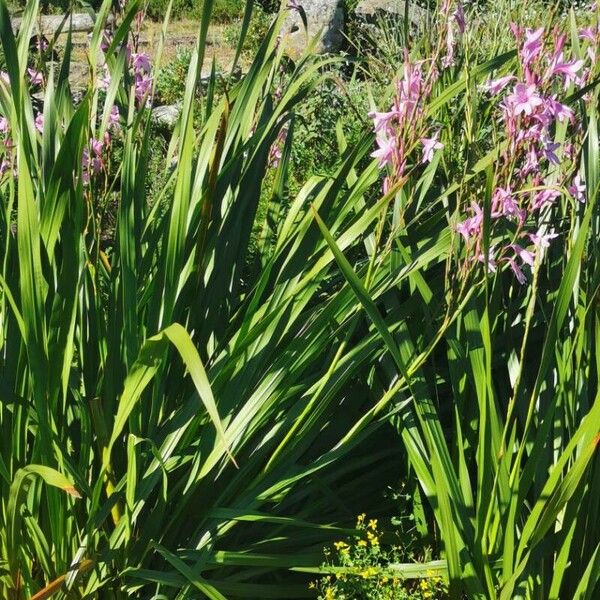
(367, 570)
(259, 26)
(223, 10)
(170, 83)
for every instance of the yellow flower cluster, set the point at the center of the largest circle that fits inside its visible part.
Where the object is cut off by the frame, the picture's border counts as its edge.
(430, 586)
(329, 593)
(368, 572)
(373, 538)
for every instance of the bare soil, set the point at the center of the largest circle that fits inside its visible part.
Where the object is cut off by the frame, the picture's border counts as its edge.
(180, 35)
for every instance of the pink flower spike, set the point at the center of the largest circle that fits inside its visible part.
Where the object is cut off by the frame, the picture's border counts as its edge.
(429, 146)
(495, 86)
(39, 123)
(459, 16)
(385, 152)
(577, 189)
(524, 99)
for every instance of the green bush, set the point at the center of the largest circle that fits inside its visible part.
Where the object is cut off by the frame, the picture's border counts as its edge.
(223, 10)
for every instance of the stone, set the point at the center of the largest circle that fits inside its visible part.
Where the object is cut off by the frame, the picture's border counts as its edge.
(51, 24)
(165, 116)
(325, 19)
(369, 10)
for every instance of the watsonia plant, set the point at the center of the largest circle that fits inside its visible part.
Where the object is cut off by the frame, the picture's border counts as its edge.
(174, 420)
(494, 372)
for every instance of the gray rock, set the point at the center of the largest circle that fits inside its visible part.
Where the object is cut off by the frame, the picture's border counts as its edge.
(166, 116)
(51, 24)
(325, 20)
(369, 10)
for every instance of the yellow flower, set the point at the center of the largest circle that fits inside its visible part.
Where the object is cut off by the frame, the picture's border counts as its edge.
(373, 538)
(329, 594)
(340, 545)
(361, 519)
(311, 585)
(369, 572)
(384, 580)
(373, 524)
(362, 543)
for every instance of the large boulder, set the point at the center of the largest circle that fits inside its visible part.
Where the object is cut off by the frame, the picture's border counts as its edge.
(369, 10)
(324, 20)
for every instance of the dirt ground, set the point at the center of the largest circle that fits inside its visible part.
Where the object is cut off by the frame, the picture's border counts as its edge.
(180, 35)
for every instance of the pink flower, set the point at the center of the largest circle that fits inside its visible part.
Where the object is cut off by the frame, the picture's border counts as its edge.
(381, 120)
(525, 255)
(448, 60)
(531, 162)
(104, 80)
(532, 46)
(35, 77)
(41, 43)
(429, 146)
(385, 152)
(568, 70)
(97, 146)
(114, 117)
(549, 151)
(491, 262)
(542, 240)
(471, 227)
(504, 202)
(577, 189)
(587, 33)
(143, 84)
(5, 77)
(497, 85)
(544, 198)
(517, 271)
(141, 62)
(39, 123)
(3, 125)
(524, 99)
(559, 111)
